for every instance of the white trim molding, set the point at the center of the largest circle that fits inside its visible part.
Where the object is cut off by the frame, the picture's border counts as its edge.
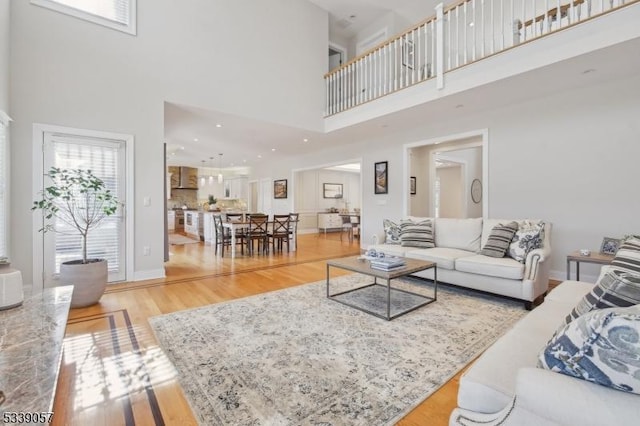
(39, 131)
(129, 27)
(4, 118)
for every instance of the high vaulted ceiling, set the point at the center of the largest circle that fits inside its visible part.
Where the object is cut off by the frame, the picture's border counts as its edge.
(347, 17)
(246, 142)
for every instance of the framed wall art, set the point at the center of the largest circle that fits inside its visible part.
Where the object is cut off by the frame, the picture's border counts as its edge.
(381, 183)
(280, 188)
(609, 245)
(331, 190)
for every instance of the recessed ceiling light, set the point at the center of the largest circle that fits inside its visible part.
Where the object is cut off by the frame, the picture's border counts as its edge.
(273, 150)
(244, 161)
(259, 156)
(305, 140)
(218, 125)
(182, 148)
(471, 24)
(195, 139)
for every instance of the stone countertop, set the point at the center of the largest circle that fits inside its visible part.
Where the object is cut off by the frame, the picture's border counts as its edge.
(31, 338)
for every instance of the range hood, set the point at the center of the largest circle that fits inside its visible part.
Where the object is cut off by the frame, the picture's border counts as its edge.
(183, 177)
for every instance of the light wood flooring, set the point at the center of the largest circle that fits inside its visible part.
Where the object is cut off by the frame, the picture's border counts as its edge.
(113, 372)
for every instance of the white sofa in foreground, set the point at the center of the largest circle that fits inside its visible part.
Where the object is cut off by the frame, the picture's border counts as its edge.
(504, 387)
(456, 252)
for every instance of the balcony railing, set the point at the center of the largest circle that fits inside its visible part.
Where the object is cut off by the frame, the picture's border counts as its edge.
(456, 36)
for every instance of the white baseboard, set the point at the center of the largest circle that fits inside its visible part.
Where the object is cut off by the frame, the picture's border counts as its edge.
(150, 274)
(562, 276)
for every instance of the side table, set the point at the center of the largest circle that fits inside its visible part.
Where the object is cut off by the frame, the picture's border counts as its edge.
(597, 258)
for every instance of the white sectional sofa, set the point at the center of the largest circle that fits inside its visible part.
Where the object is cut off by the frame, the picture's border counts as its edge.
(456, 252)
(504, 387)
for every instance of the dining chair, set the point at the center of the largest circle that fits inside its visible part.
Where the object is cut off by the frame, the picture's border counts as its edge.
(222, 235)
(280, 231)
(257, 231)
(347, 227)
(293, 229)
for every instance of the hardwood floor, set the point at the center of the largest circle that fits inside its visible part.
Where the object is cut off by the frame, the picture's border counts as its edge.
(113, 372)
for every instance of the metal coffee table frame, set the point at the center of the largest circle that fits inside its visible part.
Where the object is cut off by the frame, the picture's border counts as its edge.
(363, 267)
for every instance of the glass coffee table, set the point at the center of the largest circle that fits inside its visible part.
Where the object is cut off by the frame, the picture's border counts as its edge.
(380, 298)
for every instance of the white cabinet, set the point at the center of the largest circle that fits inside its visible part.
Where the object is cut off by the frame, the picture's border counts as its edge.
(238, 188)
(208, 229)
(171, 221)
(329, 222)
(191, 224)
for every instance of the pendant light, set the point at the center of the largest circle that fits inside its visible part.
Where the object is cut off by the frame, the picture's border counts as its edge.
(202, 177)
(211, 175)
(220, 177)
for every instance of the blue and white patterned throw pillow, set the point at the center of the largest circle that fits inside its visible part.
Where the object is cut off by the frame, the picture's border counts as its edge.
(602, 346)
(528, 237)
(391, 232)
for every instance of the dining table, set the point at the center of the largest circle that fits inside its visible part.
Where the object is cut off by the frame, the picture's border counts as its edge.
(235, 225)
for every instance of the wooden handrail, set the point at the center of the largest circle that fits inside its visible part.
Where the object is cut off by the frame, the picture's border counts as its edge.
(453, 6)
(382, 45)
(551, 13)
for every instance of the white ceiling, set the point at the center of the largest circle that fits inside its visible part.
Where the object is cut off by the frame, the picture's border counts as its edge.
(243, 140)
(347, 17)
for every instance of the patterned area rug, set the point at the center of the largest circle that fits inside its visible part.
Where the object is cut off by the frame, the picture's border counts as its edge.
(293, 357)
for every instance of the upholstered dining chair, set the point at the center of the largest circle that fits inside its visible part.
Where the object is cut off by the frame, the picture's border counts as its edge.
(279, 231)
(347, 228)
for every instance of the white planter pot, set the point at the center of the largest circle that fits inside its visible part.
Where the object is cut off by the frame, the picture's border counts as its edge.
(89, 280)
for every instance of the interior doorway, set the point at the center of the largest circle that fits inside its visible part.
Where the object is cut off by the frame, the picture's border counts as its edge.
(442, 172)
(337, 56)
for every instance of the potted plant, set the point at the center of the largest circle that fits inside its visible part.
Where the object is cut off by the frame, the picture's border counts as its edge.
(81, 201)
(212, 202)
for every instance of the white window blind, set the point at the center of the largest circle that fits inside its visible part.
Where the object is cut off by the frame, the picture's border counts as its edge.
(3, 186)
(104, 242)
(117, 14)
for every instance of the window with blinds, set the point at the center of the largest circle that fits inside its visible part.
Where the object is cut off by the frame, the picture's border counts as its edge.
(103, 157)
(3, 186)
(116, 14)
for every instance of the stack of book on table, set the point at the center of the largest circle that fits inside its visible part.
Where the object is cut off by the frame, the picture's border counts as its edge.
(388, 263)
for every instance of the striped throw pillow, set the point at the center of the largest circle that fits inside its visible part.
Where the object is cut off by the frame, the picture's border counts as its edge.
(615, 288)
(627, 257)
(417, 234)
(499, 239)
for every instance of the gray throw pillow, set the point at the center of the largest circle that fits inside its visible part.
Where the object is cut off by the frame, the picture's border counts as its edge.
(627, 257)
(602, 346)
(417, 234)
(615, 288)
(499, 240)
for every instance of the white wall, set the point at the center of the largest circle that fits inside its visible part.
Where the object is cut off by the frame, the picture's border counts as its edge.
(4, 55)
(570, 159)
(450, 193)
(214, 54)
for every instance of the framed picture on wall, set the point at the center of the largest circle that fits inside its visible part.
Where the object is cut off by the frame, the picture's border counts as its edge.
(280, 188)
(412, 185)
(331, 190)
(381, 183)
